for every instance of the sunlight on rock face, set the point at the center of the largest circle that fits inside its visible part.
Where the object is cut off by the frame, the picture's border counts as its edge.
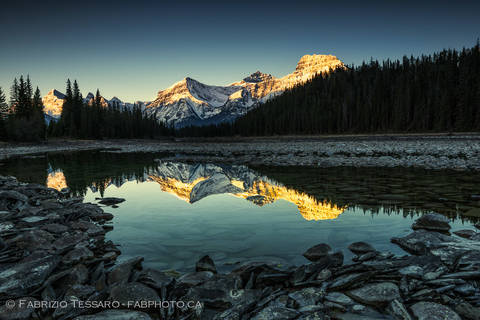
(176, 187)
(310, 208)
(259, 192)
(56, 180)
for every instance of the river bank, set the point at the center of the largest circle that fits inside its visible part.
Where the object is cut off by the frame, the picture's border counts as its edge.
(53, 251)
(460, 151)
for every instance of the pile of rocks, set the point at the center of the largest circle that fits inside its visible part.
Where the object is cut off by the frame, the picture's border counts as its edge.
(53, 249)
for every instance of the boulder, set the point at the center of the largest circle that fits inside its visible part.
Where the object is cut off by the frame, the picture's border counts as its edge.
(425, 310)
(317, 252)
(123, 271)
(205, 264)
(432, 222)
(360, 248)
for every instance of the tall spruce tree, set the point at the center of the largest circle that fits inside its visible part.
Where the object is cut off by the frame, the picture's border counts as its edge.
(3, 103)
(14, 92)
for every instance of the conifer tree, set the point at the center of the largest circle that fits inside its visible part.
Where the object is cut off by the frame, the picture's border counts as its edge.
(14, 92)
(3, 103)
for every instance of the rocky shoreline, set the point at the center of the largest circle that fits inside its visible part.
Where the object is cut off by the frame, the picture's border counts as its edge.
(460, 152)
(55, 263)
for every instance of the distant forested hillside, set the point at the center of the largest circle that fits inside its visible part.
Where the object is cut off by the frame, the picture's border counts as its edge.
(431, 93)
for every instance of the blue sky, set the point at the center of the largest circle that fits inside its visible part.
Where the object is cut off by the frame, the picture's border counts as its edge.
(134, 49)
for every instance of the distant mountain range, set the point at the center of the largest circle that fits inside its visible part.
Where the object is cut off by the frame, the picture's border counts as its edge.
(54, 100)
(190, 102)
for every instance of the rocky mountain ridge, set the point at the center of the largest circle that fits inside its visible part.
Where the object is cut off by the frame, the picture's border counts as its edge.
(190, 102)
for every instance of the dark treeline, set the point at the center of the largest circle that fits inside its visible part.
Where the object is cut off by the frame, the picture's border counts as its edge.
(431, 93)
(23, 118)
(96, 120)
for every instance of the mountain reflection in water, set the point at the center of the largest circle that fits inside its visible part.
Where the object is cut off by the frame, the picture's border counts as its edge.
(193, 182)
(318, 193)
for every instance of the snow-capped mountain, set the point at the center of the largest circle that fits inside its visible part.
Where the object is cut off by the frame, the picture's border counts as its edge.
(54, 100)
(53, 103)
(190, 102)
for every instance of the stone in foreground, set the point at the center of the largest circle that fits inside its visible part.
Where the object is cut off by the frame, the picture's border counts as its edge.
(317, 252)
(376, 294)
(205, 264)
(432, 222)
(433, 311)
(360, 248)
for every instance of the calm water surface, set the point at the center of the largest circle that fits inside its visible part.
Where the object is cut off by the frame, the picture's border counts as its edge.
(176, 212)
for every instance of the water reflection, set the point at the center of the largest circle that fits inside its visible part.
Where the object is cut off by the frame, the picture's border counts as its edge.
(176, 212)
(318, 193)
(56, 180)
(193, 182)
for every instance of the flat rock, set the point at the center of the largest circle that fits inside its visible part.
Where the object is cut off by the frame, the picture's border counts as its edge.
(340, 298)
(412, 271)
(55, 228)
(307, 296)
(108, 201)
(420, 242)
(376, 294)
(348, 280)
(317, 252)
(433, 222)
(20, 279)
(360, 247)
(116, 315)
(433, 311)
(466, 233)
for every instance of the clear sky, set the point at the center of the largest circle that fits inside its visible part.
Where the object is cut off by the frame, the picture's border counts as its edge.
(134, 49)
